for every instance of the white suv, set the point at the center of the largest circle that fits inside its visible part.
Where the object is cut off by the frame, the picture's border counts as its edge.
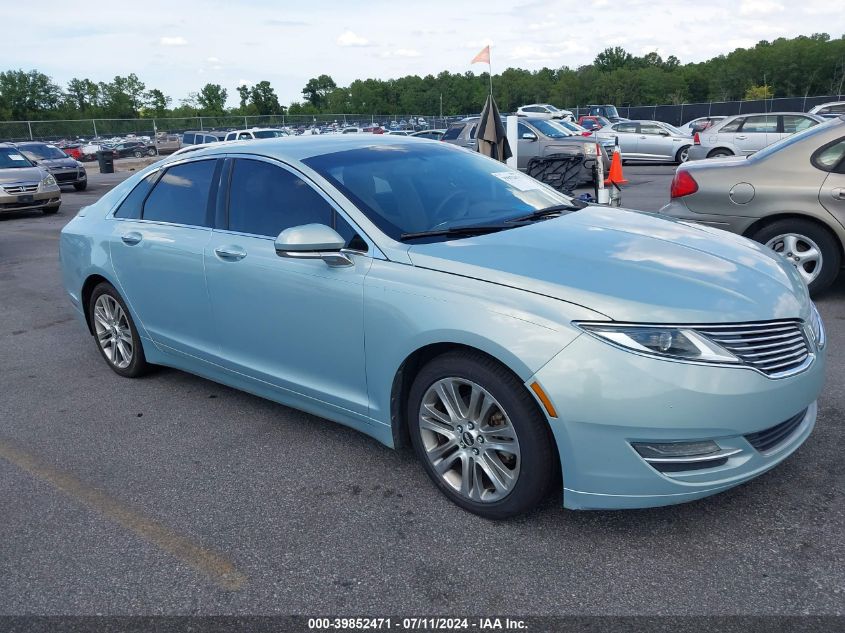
(256, 132)
(544, 111)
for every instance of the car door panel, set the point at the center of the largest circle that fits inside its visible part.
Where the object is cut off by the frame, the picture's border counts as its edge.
(757, 132)
(832, 195)
(295, 324)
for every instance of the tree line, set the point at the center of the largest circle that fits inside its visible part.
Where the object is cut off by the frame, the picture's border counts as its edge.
(805, 65)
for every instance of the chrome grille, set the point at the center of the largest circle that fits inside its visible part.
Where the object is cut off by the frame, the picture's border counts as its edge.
(774, 348)
(24, 188)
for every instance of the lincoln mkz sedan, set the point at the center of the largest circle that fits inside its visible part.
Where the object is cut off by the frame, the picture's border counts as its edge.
(430, 296)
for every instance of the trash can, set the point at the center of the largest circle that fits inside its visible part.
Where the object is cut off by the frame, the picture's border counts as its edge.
(561, 171)
(106, 159)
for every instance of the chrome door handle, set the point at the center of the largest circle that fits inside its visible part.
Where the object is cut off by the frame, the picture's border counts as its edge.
(838, 193)
(230, 253)
(131, 238)
(740, 137)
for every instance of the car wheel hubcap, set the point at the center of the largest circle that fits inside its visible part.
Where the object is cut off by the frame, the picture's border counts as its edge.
(801, 252)
(684, 155)
(114, 334)
(469, 439)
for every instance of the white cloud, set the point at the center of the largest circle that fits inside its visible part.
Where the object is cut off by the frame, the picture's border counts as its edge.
(348, 38)
(542, 26)
(759, 7)
(212, 60)
(401, 52)
(177, 40)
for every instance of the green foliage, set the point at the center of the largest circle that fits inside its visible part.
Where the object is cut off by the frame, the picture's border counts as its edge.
(805, 65)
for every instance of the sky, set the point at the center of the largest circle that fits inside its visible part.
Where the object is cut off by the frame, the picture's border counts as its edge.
(178, 46)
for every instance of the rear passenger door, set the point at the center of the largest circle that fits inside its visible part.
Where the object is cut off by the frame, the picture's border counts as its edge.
(757, 132)
(157, 244)
(295, 324)
(831, 158)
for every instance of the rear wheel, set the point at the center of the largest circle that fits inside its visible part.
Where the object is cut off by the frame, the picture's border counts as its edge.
(151, 151)
(480, 436)
(806, 245)
(719, 153)
(115, 332)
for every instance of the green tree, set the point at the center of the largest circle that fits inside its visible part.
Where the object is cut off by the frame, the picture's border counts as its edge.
(317, 89)
(212, 99)
(157, 102)
(26, 95)
(263, 98)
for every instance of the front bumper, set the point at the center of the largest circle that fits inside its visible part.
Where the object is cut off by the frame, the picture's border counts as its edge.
(69, 176)
(43, 197)
(607, 398)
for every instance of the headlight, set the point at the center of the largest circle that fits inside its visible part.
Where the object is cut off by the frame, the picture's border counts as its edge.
(665, 342)
(817, 327)
(48, 181)
(590, 149)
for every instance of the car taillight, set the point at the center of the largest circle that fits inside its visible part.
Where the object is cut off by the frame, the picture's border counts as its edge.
(586, 133)
(683, 184)
(696, 139)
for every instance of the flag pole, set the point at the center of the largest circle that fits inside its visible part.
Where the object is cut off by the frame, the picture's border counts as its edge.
(490, 71)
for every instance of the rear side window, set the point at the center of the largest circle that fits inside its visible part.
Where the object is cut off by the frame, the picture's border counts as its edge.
(625, 127)
(453, 132)
(130, 208)
(182, 194)
(831, 157)
(793, 123)
(265, 199)
(188, 138)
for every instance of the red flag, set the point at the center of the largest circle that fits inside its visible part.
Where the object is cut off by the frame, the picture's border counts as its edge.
(483, 57)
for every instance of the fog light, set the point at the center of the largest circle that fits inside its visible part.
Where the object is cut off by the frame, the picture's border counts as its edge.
(655, 450)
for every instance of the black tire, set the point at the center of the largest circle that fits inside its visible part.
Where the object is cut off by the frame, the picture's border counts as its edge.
(720, 153)
(138, 365)
(537, 460)
(51, 210)
(138, 153)
(823, 238)
(151, 151)
(80, 186)
(683, 155)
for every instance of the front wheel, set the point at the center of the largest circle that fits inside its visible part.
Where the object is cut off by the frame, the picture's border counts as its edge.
(51, 210)
(138, 153)
(806, 245)
(480, 436)
(683, 155)
(81, 186)
(115, 332)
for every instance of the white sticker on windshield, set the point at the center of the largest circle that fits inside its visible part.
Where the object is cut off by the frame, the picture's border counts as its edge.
(15, 156)
(518, 180)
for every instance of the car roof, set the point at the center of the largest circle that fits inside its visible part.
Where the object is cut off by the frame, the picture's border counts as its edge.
(299, 148)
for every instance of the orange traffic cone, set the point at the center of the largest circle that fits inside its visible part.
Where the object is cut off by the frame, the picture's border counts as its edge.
(615, 176)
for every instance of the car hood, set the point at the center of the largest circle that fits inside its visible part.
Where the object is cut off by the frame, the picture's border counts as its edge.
(630, 266)
(21, 174)
(58, 163)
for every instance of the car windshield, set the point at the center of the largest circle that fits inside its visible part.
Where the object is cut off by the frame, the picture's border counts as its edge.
(42, 152)
(792, 139)
(552, 129)
(11, 158)
(572, 127)
(268, 134)
(409, 188)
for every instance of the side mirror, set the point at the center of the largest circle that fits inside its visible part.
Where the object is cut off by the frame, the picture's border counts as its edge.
(529, 136)
(313, 241)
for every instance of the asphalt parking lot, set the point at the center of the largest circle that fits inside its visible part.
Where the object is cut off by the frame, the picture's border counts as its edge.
(175, 495)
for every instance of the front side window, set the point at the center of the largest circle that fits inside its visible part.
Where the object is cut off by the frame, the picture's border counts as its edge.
(523, 129)
(651, 128)
(188, 138)
(630, 128)
(265, 199)
(453, 132)
(420, 187)
(181, 196)
(793, 123)
(244, 136)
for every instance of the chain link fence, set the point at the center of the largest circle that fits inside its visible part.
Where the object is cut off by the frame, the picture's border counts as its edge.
(87, 129)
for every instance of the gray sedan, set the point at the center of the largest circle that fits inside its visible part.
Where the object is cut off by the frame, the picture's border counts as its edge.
(789, 196)
(648, 141)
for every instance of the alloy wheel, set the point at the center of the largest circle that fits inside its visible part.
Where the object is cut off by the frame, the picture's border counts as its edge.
(114, 334)
(469, 440)
(801, 252)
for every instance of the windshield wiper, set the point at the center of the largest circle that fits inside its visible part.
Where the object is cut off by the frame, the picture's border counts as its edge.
(479, 229)
(575, 205)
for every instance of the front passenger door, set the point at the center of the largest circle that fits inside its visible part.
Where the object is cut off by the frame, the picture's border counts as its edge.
(295, 324)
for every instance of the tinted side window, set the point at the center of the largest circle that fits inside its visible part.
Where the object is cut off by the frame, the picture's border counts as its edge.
(181, 196)
(523, 129)
(453, 132)
(131, 205)
(793, 123)
(472, 131)
(265, 199)
(188, 139)
(625, 127)
(651, 128)
(832, 157)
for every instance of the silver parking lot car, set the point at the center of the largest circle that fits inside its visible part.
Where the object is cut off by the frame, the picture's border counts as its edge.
(789, 196)
(25, 186)
(648, 141)
(745, 134)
